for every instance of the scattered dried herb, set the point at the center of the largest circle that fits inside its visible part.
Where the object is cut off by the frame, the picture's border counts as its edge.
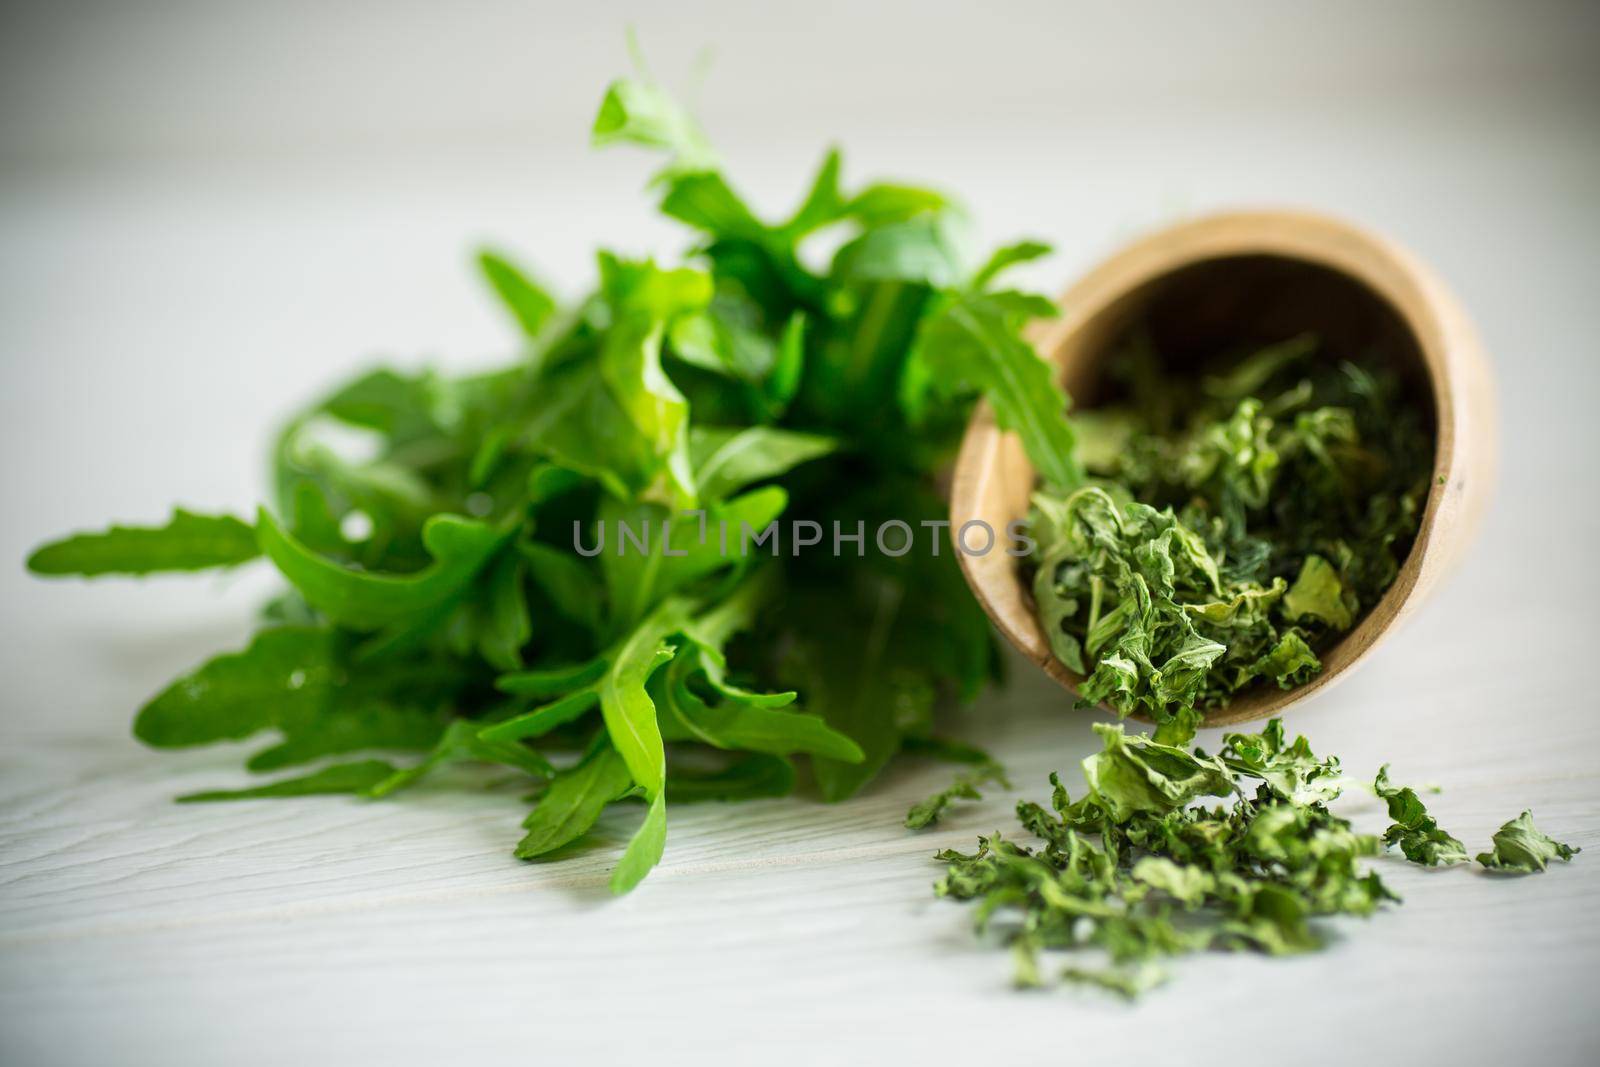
(1140, 868)
(1520, 848)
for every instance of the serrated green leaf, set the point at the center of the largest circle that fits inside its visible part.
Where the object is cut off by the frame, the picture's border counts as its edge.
(573, 803)
(354, 777)
(974, 340)
(727, 459)
(528, 303)
(188, 542)
(459, 548)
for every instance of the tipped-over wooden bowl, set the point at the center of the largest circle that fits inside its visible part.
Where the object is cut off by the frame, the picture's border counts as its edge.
(1216, 282)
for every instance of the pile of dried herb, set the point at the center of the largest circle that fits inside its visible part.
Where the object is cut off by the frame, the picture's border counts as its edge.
(1234, 524)
(443, 601)
(1139, 869)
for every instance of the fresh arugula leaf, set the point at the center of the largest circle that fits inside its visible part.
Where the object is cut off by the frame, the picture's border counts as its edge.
(364, 601)
(729, 717)
(503, 624)
(188, 542)
(460, 742)
(295, 680)
(529, 304)
(553, 681)
(930, 248)
(355, 777)
(973, 340)
(571, 585)
(1006, 257)
(727, 459)
(573, 803)
(637, 579)
(625, 704)
(644, 849)
(541, 720)
(636, 112)
(746, 778)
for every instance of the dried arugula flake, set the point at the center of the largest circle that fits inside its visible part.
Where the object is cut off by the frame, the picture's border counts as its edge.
(1522, 848)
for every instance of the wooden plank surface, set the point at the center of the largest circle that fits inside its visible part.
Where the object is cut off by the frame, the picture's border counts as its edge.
(260, 932)
(161, 309)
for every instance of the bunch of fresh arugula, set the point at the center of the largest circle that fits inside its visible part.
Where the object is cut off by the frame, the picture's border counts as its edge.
(1236, 523)
(438, 604)
(1138, 869)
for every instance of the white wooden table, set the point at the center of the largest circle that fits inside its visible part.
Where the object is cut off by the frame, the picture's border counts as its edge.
(165, 294)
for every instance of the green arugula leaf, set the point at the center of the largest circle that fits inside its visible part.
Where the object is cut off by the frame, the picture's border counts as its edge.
(677, 551)
(727, 459)
(644, 849)
(746, 778)
(824, 203)
(188, 542)
(929, 248)
(573, 803)
(463, 742)
(625, 705)
(853, 675)
(553, 681)
(295, 680)
(355, 777)
(574, 590)
(972, 340)
(636, 112)
(541, 720)
(459, 548)
(1006, 257)
(734, 718)
(529, 304)
(502, 623)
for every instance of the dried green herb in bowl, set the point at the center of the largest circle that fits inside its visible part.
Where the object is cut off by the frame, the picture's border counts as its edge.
(1233, 523)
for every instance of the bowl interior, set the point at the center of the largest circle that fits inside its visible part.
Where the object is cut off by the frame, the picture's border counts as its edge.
(1215, 307)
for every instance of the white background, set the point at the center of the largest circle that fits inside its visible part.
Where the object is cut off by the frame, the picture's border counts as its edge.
(209, 211)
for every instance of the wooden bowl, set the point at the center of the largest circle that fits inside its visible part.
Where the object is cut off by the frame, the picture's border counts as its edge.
(1233, 277)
